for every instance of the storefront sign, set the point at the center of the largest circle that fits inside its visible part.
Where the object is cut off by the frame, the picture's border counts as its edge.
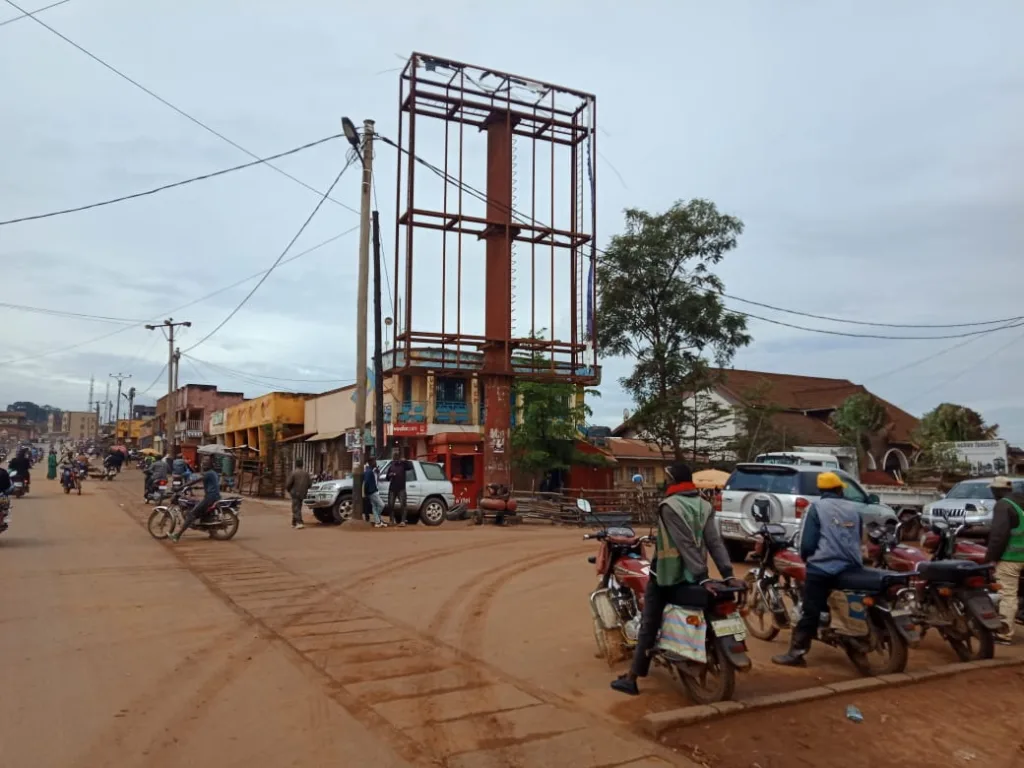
(406, 430)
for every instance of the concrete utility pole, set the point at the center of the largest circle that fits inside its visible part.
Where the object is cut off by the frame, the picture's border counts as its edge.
(117, 409)
(378, 353)
(366, 155)
(106, 404)
(170, 325)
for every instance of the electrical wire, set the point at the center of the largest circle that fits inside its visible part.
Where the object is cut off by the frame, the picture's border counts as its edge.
(277, 261)
(25, 14)
(168, 104)
(965, 369)
(75, 315)
(165, 187)
(268, 378)
(162, 372)
(251, 380)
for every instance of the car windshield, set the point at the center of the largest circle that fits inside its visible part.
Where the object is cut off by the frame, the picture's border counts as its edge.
(763, 480)
(970, 490)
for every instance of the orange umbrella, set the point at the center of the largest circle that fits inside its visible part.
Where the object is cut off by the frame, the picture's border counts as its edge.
(710, 478)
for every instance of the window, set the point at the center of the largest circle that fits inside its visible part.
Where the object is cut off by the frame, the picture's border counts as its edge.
(854, 492)
(406, 389)
(763, 480)
(433, 471)
(450, 390)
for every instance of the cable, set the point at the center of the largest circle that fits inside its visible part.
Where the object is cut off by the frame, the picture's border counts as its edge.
(964, 370)
(165, 187)
(252, 381)
(268, 378)
(940, 353)
(76, 315)
(168, 104)
(162, 371)
(383, 255)
(277, 261)
(865, 322)
(33, 13)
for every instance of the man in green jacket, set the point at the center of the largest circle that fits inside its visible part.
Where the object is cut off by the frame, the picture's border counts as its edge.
(1006, 548)
(687, 534)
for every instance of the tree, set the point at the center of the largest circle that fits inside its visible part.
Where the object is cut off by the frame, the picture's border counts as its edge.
(34, 413)
(950, 423)
(660, 304)
(863, 423)
(755, 429)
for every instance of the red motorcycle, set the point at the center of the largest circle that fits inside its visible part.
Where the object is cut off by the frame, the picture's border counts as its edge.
(623, 571)
(951, 589)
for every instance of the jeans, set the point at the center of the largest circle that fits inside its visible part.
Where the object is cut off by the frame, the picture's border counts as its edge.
(198, 510)
(397, 499)
(655, 600)
(296, 510)
(1008, 574)
(378, 505)
(817, 587)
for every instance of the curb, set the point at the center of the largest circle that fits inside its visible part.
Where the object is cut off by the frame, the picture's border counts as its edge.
(659, 723)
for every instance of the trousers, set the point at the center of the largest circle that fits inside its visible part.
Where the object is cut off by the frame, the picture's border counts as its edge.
(397, 499)
(296, 510)
(1008, 574)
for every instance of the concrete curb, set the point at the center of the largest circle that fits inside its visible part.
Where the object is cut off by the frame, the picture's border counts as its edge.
(659, 723)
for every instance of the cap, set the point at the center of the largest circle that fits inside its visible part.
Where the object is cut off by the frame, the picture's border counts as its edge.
(830, 481)
(1001, 482)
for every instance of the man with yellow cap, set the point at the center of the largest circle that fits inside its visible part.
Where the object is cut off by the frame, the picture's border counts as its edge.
(830, 545)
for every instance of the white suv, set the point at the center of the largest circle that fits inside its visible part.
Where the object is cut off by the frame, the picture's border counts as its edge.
(786, 491)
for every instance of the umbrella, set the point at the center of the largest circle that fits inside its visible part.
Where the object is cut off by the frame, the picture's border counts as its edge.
(710, 478)
(149, 452)
(213, 450)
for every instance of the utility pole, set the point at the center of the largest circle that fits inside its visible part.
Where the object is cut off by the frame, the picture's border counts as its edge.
(117, 409)
(366, 155)
(378, 352)
(169, 325)
(130, 396)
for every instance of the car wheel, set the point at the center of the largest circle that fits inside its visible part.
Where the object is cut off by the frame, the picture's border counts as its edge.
(342, 510)
(324, 516)
(433, 511)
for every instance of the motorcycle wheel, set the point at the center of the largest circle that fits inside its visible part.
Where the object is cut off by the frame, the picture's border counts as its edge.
(888, 658)
(759, 619)
(609, 644)
(228, 529)
(160, 524)
(715, 682)
(67, 489)
(979, 643)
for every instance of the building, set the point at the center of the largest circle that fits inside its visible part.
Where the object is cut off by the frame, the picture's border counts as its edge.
(129, 431)
(217, 430)
(143, 411)
(15, 427)
(192, 407)
(258, 424)
(80, 425)
(326, 420)
(637, 457)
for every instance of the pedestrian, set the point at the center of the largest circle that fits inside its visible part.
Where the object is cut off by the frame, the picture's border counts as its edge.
(1006, 549)
(211, 494)
(51, 465)
(397, 496)
(297, 485)
(371, 491)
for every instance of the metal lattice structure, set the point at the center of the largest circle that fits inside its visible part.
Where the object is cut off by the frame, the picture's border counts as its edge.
(506, 215)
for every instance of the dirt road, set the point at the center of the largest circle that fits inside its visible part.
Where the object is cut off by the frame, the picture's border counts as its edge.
(459, 646)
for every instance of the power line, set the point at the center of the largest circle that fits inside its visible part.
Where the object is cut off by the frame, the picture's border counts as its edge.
(965, 369)
(277, 261)
(165, 187)
(865, 322)
(383, 253)
(168, 104)
(251, 380)
(268, 378)
(76, 315)
(927, 358)
(25, 14)
(158, 377)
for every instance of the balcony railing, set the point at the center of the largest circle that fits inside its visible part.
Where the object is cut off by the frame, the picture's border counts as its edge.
(451, 412)
(414, 412)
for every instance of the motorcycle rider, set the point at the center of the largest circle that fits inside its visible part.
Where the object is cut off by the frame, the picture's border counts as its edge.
(1006, 548)
(687, 534)
(830, 545)
(211, 493)
(156, 472)
(21, 464)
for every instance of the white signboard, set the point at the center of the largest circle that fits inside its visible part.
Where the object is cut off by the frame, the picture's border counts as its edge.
(984, 457)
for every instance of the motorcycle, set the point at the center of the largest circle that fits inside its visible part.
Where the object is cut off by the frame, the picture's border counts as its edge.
(220, 521)
(868, 614)
(955, 596)
(70, 479)
(5, 512)
(156, 493)
(18, 486)
(617, 604)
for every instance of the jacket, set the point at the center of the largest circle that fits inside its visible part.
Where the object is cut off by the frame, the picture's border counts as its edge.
(159, 470)
(298, 483)
(831, 537)
(687, 534)
(370, 486)
(1004, 520)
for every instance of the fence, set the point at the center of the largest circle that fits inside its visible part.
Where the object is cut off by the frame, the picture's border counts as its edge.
(608, 507)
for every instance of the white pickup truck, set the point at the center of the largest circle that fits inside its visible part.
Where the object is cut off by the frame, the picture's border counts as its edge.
(430, 495)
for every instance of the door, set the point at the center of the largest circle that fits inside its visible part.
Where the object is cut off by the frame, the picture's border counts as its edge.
(414, 486)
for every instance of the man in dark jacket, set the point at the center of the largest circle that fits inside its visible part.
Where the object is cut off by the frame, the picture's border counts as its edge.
(687, 534)
(21, 464)
(830, 545)
(297, 485)
(397, 497)
(211, 493)
(1006, 548)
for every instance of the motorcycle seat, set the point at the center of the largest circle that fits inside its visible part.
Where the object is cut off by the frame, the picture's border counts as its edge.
(871, 580)
(951, 571)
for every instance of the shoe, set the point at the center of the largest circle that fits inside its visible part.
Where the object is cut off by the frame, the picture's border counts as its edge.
(624, 685)
(799, 644)
(401, 525)
(175, 537)
(298, 526)
(1004, 639)
(380, 525)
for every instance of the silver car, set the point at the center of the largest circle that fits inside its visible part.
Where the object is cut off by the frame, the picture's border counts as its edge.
(970, 502)
(786, 491)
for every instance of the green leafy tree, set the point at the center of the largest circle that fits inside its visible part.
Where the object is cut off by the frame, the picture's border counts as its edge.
(756, 432)
(863, 423)
(950, 423)
(659, 303)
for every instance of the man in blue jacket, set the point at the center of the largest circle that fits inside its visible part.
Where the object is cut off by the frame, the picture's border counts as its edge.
(830, 545)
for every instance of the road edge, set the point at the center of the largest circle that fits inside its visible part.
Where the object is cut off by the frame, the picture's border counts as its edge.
(657, 724)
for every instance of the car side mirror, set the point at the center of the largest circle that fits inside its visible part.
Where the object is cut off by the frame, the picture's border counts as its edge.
(873, 498)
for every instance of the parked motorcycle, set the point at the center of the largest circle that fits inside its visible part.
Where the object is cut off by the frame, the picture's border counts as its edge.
(956, 597)
(220, 521)
(617, 603)
(868, 617)
(70, 480)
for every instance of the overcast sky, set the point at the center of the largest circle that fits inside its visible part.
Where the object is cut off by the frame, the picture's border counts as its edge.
(874, 153)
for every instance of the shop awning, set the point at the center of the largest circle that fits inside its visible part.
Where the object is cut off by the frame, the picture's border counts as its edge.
(324, 436)
(296, 438)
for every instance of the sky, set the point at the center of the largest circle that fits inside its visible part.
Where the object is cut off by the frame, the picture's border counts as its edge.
(873, 151)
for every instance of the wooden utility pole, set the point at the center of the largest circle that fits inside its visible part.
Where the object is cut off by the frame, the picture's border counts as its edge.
(366, 153)
(170, 325)
(378, 351)
(117, 409)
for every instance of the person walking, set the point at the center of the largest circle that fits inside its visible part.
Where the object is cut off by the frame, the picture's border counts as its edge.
(1006, 549)
(297, 485)
(51, 465)
(371, 491)
(397, 496)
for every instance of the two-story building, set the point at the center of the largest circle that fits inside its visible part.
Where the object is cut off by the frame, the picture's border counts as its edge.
(191, 407)
(257, 424)
(15, 427)
(128, 431)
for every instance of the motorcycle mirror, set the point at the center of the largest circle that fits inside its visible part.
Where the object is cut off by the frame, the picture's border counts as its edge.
(583, 506)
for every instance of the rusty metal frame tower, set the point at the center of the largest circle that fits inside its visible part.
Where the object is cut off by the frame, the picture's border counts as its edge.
(498, 204)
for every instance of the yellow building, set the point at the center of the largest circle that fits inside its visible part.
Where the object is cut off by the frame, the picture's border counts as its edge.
(129, 429)
(258, 423)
